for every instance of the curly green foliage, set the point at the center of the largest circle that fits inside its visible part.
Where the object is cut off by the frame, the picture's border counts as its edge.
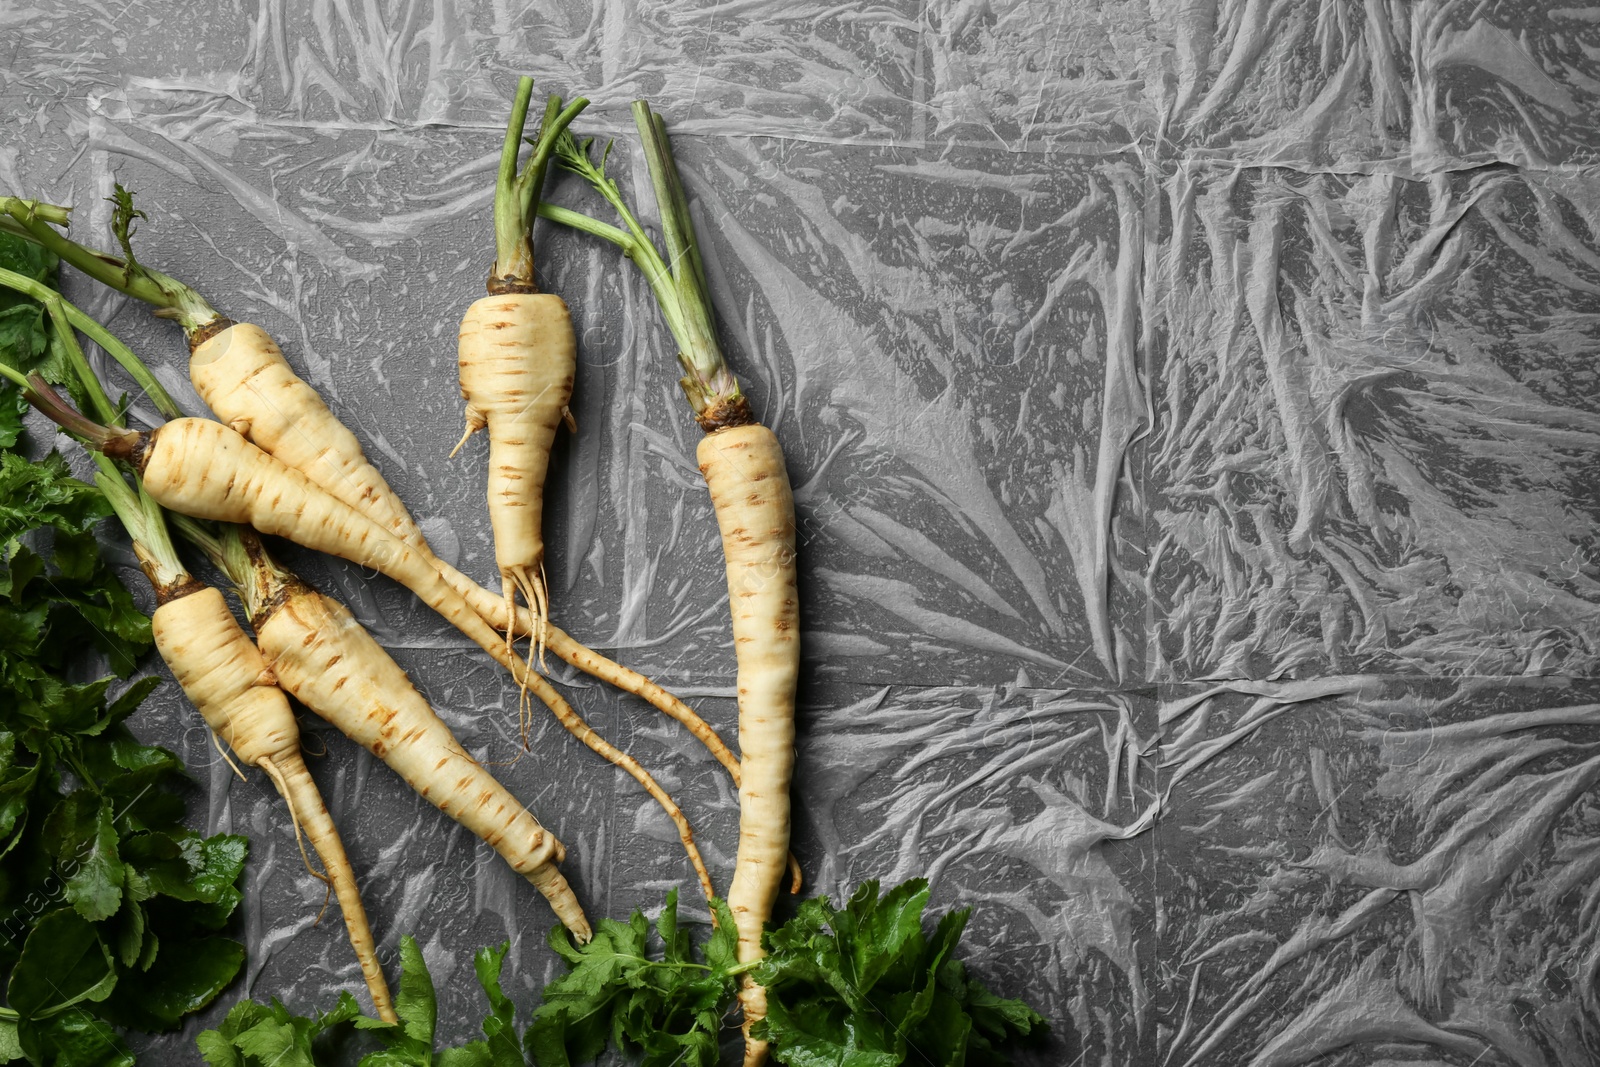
(861, 986)
(122, 227)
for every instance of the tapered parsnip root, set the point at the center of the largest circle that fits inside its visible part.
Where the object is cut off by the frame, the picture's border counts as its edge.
(744, 469)
(242, 376)
(330, 663)
(517, 359)
(750, 494)
(222, 673)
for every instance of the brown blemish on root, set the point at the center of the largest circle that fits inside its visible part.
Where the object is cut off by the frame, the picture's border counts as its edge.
(205, 333)
(726, 413)
(170, 591)
(508, 284)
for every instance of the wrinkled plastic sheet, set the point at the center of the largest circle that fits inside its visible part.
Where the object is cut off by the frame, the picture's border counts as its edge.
(1193, 420)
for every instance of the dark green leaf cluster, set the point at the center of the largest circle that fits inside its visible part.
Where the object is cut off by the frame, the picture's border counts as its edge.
(109, 906)
(260, 1035)
(861, 986)
(865, 986)
(26, 341)
(667, 1007)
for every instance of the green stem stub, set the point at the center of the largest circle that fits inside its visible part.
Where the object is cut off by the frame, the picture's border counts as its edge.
(147, 529)
(516, 195)
(677, 279)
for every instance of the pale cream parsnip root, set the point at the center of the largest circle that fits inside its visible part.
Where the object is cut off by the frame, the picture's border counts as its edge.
(744, 469)
(223, 674)
(323, 656)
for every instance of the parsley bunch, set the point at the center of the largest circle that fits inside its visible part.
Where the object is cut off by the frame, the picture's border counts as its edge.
(668, 1008)
(260, 1035)
(858, 986)
(109, 907)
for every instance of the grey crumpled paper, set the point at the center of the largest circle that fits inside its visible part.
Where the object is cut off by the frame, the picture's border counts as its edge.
(1193, 420)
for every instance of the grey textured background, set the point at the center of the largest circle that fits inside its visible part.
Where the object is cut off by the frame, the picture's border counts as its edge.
(1193, 415)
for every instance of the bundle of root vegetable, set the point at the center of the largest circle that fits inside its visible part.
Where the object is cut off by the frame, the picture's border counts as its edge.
(276, 461)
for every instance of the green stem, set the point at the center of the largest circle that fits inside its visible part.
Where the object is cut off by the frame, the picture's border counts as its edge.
(37, 391)
(512, 245)
(199, 534)
(555, 123)
(144, 521)
(171, 298)
(101, 336)
(708, 383)
(55, 214)
(516, 196)
(579, 221)
(103, 409)
(678, 281)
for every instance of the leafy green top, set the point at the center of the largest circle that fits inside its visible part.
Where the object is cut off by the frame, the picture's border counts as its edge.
(110, 907)
(670, 1008)
(858, 986)
(863, 985)
(677, 279)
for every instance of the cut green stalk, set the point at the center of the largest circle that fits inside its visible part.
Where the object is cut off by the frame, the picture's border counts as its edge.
(28, 211)
(99, 335)
(171, 298)
(677, 279)
(140, 516)
(516, 196)
(145, 522)
(49, 403)
(237, 552)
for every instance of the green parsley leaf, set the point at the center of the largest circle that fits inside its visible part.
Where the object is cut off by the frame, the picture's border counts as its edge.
(63, 962)
(13, 410)
(669, 1009)
(74, 1038)
(94, 870)
(864, 986)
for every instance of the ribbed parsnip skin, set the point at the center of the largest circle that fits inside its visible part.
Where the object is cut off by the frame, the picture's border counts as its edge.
(205, 469)
(323, 656)
(242, 376)
(743, 468)
(517, 358)
(222, 673)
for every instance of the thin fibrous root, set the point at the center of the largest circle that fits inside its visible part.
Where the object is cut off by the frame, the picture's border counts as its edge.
(574, 652)
(580, 729)
(217, 742)
(475, 423)
(272, 772)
